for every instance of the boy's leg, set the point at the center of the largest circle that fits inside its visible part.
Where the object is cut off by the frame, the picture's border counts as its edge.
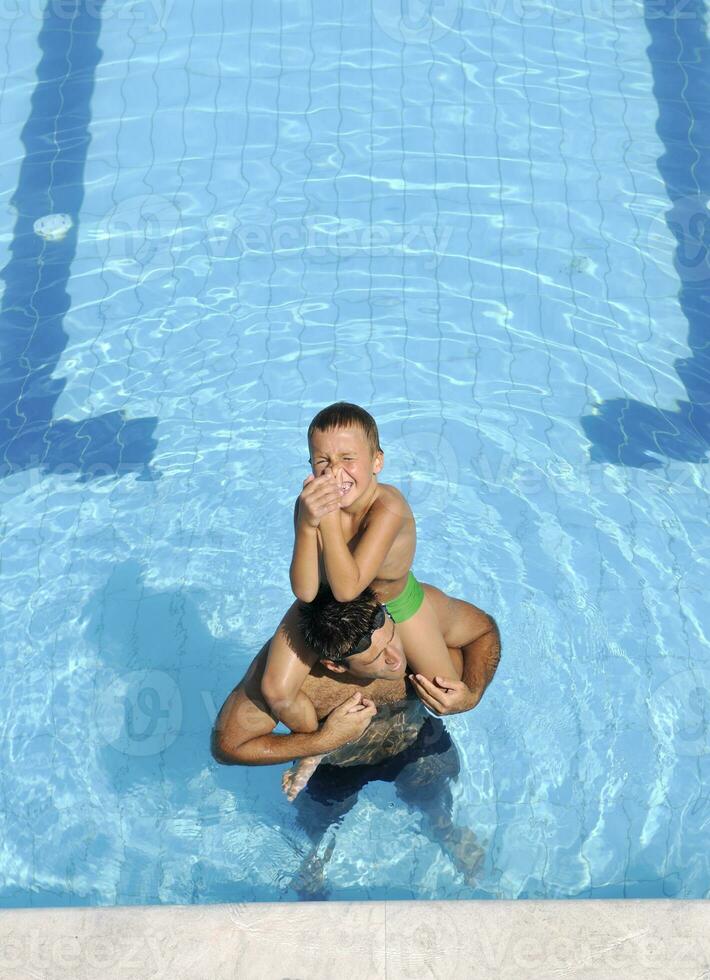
(289, 661)
(424, 645)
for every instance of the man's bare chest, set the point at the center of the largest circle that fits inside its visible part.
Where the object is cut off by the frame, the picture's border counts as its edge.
(327, 693)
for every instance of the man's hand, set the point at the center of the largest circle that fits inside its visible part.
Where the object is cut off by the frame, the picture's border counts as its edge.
(444, 696)
(320, 496)
(348, 721)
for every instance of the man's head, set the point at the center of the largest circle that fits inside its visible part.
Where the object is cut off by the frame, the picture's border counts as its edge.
(336, 629)
(344, 437)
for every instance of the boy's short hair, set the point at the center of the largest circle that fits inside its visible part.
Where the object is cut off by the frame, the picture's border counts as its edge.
(333, 628)
(343, 415)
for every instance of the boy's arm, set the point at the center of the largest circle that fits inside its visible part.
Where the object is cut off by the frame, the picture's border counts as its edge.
(349, 573)
(303, 572)
(242, 731)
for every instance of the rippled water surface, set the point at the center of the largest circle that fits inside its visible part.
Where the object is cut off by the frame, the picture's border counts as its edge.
(487, 227)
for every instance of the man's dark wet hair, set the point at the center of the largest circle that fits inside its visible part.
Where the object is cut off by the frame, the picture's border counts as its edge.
(344, 415)
(333, 628)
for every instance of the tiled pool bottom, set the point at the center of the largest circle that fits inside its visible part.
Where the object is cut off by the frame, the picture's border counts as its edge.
(602, 939)
(184, 351)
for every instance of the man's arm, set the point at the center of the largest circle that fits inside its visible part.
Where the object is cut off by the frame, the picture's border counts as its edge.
(480, 660)
(243, 732)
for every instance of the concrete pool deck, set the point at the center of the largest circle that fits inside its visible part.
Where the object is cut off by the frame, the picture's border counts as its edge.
(591, 939)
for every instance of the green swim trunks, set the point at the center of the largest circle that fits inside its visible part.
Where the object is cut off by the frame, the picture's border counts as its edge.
(407, 602)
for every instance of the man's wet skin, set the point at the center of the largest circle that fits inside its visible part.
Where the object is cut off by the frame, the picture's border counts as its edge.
(398, 718)
(392, 739)
(399, 712)
(421, 767)
(381, 673)
(375, 678)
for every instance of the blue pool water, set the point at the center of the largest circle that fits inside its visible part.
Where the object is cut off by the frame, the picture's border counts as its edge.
(485, 222)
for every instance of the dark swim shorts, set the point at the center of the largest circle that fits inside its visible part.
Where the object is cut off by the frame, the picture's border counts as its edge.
(422, 774)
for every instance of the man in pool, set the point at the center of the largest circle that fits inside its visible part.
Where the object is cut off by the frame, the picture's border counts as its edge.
(372, 723)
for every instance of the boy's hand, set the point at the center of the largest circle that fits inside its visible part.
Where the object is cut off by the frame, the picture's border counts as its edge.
(446, 697)
(332, 516)
(320, 496)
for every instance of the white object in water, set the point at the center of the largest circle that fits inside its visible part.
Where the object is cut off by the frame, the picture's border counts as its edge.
(53, 227)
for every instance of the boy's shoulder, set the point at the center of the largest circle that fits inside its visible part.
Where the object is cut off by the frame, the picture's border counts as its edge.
(392, 499)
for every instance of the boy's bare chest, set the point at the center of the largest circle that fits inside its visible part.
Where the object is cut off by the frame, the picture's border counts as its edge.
(396, 563)
(352, 532)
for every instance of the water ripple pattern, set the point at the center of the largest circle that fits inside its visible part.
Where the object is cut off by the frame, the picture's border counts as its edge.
(487, 223)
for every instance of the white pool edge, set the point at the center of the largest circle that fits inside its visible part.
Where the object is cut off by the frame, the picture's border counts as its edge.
(594, 938)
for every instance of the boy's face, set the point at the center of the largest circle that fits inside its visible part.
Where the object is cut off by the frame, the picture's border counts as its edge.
(347, 453)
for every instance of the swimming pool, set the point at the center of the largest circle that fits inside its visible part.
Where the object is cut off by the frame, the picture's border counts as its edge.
(485, 223)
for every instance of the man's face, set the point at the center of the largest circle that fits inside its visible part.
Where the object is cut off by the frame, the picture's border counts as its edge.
(384, 659)
(347, 453)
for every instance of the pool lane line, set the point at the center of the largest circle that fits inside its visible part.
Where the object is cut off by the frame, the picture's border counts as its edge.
(56, 138)
(623, 430)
